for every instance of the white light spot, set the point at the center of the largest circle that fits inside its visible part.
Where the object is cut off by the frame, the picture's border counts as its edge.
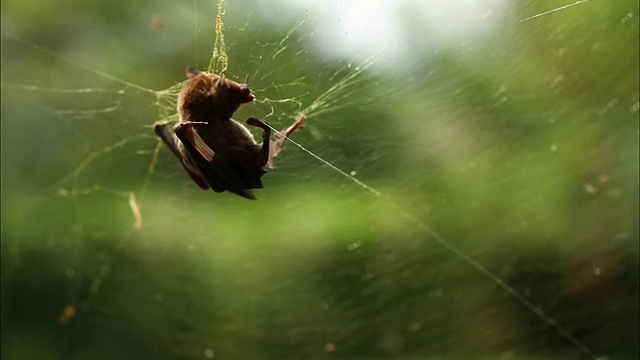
(416, 326)
(367, 276)
(590, 189)
(596, 271)
(501, 90)
(610, 105)
(626, 18)
(500, 101)
(554, 147)
(558, 79)
(399, 34)
(353, 173)
(208, 353)
(353, 246)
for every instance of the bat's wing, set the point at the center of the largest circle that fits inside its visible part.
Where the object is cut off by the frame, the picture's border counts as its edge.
(231, 169)
(171, 141)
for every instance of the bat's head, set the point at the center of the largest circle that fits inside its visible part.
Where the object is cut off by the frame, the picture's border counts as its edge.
(206, 96)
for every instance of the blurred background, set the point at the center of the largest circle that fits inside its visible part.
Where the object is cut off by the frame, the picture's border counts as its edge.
(497, 142)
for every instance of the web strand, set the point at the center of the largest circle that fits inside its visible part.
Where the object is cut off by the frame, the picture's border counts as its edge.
(330, 165)
(81, 66)
(555, 10)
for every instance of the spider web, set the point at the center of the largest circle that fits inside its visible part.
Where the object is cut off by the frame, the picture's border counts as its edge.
(415, 216)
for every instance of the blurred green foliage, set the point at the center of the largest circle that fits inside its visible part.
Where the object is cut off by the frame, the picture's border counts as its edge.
(521, 151)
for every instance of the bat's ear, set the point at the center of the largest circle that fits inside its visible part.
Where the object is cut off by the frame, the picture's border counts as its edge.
(191, 72)
(222, 80)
